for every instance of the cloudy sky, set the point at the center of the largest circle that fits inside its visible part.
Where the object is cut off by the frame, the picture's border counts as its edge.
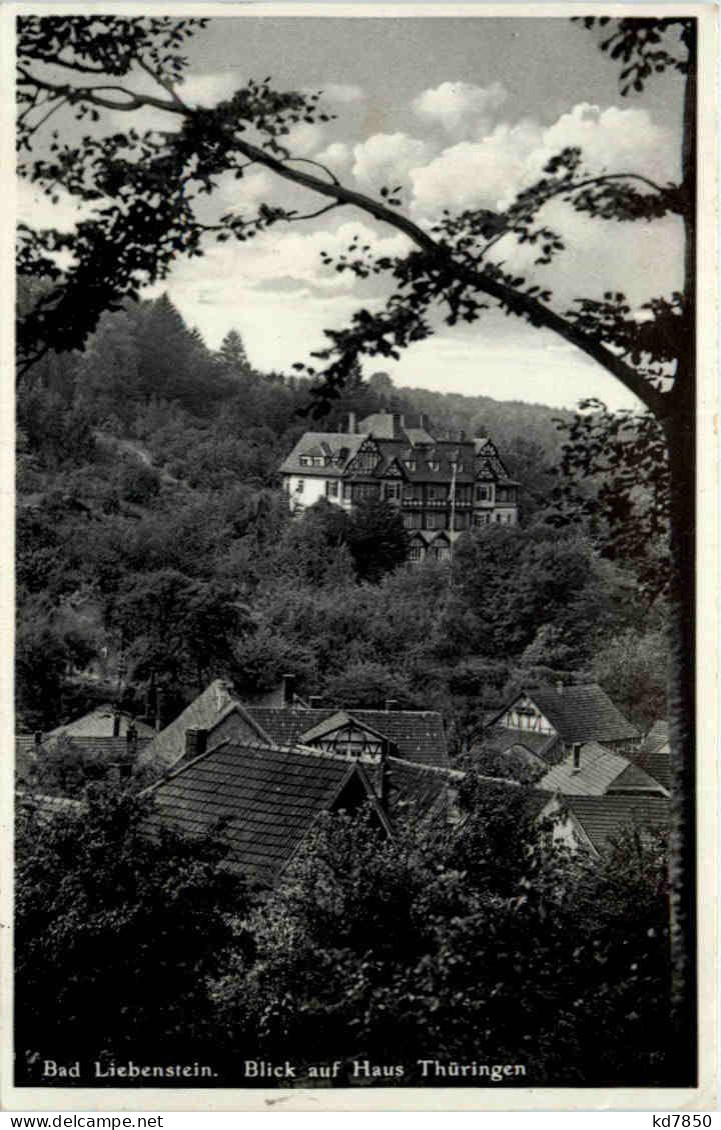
(462, 113)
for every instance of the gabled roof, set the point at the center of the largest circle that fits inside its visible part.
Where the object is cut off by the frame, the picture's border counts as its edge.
(604, 819)
(265, 798)
(336, 721)
(655, 753)
(579, 713)
(599, 772)
(498, 739)
(203, 713)
(417, 734)
(98, 723)
(339, 444)
(110, 749)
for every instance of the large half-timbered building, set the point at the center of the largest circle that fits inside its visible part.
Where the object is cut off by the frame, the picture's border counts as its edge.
(441, 486)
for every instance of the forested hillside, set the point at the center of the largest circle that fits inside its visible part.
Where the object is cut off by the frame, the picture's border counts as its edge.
(155, 549)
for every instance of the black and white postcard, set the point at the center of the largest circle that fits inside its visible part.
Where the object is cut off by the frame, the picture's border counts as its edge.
(364, 500)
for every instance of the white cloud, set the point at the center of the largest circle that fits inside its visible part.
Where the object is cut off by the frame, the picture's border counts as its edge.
(464, 110)
(344, 92)
(336, 156)
(37, 210)
(209, 89)
(387, 158)
(489, 172)
(274, 259)
(303, 139)
(475, 174)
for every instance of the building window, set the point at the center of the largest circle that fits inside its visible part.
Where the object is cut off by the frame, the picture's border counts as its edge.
(433, 465)
(460, 521)
(441, 552)
(506, 494)
(436, 520)
(412, 521)
(392, 491)
(499, 517)
(411, 465)
(483, 493)
(347, 491)
(331, 489)
(365, 490)
(481, 519)
(318, 461)
(299, 486)
(416, 553)
(305, 461)
(437, 492)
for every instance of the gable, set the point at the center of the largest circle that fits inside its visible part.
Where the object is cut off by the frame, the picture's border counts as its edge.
(343, 734)
(366, 459)
(524, 714)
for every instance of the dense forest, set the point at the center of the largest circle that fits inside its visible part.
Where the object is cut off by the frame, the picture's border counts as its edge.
(155, 548)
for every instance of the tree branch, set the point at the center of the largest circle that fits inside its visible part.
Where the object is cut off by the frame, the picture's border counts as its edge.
(522, 304)
(530, 307)
(164, 83)
(308, 161)
(88, 94)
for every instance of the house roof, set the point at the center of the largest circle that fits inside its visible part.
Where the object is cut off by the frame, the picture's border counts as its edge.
(600, 770)
(418, 735)
(203, 713)
(580, 713)
(432, 459)
(499, 739)
(337, 444)
(99, 724)
(604, 819)
(656, 753)
(268, 798)
(110, 749)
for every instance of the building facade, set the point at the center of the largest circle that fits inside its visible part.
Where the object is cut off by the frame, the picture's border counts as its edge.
(441, 487)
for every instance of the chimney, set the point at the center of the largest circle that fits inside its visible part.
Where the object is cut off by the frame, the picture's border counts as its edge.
(116, 723)
(38, 738)
(462, 436)
(423, 421)
(397, 424)
(288, 690)
(131, 738)
(195, 743)
(352, 426)
(315, 702)
(576, 757)
(391, 704)
(559, 686)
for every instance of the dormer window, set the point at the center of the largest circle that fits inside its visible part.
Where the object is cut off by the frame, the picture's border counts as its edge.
(411, 465)
(305, 461)
(318, 461)
(433, 465)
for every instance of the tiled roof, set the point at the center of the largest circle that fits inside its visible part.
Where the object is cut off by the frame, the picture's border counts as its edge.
(338, 443)
(498, 739)
(417, 734)
(634, 779)
(99, 724)
(168, 747)
(582, 713)
(600, 770)
(267, 798)
(655, 753)
(420, 790)
(605, 818)
(110, 749)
